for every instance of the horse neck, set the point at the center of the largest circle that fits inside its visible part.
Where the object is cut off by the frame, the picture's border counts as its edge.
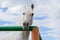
(26, 35)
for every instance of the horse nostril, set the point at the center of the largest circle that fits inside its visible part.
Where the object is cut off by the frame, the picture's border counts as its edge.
(25, 24)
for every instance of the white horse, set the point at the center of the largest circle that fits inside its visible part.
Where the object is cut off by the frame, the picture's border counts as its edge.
(25, 21)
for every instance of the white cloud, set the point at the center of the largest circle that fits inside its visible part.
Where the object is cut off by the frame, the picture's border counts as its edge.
(7, 17)
(15, 9)
(13, 6)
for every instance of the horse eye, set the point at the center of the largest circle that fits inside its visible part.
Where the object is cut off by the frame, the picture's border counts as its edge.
(23, 13)
(32, 14)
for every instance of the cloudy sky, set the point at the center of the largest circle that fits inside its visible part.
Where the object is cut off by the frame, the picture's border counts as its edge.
(46, 15)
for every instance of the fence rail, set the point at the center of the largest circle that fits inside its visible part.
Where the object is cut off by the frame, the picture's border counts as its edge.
(15, 28)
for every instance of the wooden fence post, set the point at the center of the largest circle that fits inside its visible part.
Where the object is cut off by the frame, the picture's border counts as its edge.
(35, 34)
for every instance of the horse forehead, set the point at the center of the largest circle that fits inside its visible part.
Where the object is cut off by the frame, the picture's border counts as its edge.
(28, 11)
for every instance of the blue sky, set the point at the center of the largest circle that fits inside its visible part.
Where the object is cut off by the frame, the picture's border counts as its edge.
(46, 15)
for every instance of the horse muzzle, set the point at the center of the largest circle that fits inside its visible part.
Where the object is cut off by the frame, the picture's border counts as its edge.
(26, 25)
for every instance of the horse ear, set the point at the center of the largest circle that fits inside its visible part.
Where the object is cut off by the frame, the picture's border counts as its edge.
(32, 6)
